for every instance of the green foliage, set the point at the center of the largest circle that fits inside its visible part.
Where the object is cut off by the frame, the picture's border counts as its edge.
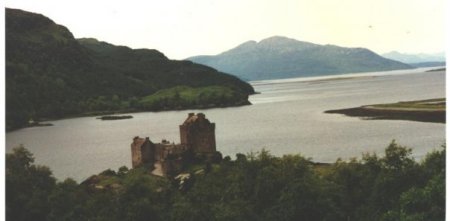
(430, 104)
(66, 201)
(27, 187)
(182, 97)
(425, 201)
(397, 157)
(256, 186)
(49, 74)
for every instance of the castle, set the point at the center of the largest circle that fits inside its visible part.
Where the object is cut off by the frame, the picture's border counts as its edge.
(198, 144)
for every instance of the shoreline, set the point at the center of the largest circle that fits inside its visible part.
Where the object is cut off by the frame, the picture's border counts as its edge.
(45, 121)
(343, 76)
(430, 111)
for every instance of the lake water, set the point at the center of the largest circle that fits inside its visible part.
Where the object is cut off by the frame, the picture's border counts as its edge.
(286, 118)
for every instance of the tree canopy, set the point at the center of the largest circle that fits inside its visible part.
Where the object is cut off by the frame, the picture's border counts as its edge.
(256, 186)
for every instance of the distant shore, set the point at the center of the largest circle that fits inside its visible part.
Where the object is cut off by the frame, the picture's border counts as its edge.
(101, 114)
(432, 110)
(346, 76)
(437, 69)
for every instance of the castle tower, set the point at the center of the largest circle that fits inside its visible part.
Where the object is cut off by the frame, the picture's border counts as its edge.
(198, 134)
(142, 152)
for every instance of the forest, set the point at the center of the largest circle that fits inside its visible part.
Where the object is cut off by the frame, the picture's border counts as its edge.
(253, 186)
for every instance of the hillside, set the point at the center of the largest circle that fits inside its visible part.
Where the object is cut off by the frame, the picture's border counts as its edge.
(49, 74)
(281, 57)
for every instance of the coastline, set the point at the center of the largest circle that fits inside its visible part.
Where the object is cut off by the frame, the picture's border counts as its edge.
(431, 111)
(347, 76)
(45, 121)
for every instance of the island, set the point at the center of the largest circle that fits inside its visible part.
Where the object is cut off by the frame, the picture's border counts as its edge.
(431, 110)
(115, 117)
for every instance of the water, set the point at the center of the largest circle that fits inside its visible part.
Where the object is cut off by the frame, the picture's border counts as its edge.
(286, 118)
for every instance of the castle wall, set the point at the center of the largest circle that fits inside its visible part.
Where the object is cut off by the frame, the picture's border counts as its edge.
(198, 134)
(159, 152)
(172, 166)
(148, 151)
(203, 139)
(184, 134)
(142, 152)
(136, 156)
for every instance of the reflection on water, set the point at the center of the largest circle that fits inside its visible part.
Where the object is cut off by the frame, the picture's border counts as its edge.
(286, 118)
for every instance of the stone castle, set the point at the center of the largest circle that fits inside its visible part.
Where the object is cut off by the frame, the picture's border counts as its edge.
(198, 145)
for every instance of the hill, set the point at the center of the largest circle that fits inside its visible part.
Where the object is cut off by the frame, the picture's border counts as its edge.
(281, 57)
(50, 74)
(415, 58)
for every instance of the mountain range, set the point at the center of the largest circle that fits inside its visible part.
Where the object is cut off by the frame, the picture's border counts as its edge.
(415, 58)
(50, 74)
(418, 60)
(282, 57)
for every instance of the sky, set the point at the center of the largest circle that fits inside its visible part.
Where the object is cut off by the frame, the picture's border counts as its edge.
(184, 28)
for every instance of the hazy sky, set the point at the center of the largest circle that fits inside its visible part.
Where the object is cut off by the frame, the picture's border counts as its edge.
(183, 28)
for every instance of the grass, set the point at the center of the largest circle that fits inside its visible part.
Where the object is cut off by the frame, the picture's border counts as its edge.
(431, 104)
(432, 110)
(188, 93)
(181, 97)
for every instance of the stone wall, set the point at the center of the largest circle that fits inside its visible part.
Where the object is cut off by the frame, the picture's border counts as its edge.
(142, 151)
(198, 134)
(198, 141)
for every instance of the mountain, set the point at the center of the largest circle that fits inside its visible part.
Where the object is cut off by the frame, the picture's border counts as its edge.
(281, 57)
(415, 58)
(50, 74)
(418, 60)
(428, 64)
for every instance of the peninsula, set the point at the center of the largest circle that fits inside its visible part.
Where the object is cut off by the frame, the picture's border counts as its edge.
(432, 110)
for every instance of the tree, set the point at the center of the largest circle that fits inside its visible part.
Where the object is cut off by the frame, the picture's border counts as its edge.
(67, 202)
(27, 187)
(397, 157)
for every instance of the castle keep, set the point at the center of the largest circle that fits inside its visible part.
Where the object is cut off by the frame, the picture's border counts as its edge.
(198, 144)
(198, 134)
